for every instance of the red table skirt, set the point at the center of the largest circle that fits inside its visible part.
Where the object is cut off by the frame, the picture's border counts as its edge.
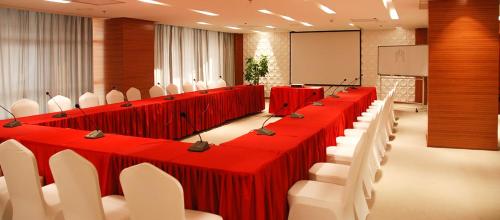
(243, 179)
(296, 98)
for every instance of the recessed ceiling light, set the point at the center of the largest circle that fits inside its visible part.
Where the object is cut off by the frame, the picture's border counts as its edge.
(233, 27)
(287, 18)
(153, 2)
(394, 14)
(203, 23)
(269, 26)
(351, 24)
(265, 11)
(326, 9)
(306, 24)
(205, 12)
(59, 1)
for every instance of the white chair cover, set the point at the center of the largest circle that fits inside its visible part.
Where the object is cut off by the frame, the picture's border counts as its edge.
(200, 85)
(221, 83)
(188, 87)
(114, 96)
(133, 94)
(78, 184)
(172, 89)
(25, 107)
(29, 200)
(88, 100)
(154, 195)
(62, 101)
(156, 91)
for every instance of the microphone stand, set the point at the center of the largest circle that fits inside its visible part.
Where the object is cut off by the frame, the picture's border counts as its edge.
(354, 87)
(11, 124)
(95, 134)
(265, 131)
(319, 103)
(298, 115)
(200, 145)
(333, 93)
(61, 114)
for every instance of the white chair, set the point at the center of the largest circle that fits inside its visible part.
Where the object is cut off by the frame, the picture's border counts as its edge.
(200, 85)
(5, 204)
(78, 184)
(25, 107)
(221, 83)
(133, 94)
(213, 85)
(88, 100)
(172, 89)
(156, 91)
(188, 87)
(63, 102)
(29, 200)
(114, 96)
(154, 195)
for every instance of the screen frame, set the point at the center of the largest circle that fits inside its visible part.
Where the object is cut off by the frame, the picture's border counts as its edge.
(360, 58)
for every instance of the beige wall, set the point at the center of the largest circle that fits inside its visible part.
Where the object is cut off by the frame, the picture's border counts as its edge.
(277, 47)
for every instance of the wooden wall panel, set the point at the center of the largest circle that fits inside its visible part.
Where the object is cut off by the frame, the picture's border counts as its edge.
(463, 74)
(128, 54)
(238, 59)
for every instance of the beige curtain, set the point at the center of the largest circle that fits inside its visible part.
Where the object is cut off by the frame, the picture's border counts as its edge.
(183, 54)
(43, 52)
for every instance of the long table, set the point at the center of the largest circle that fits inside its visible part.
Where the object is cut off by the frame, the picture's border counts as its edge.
(296, 98)
(245, 178)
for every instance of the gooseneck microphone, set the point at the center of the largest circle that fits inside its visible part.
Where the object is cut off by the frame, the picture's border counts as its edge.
(265, 131)
(200, 145)
(298, 115)
(355, 87)
(95, 134)
(11, 124)
(61, 114)
(127, 102)
(333, 93)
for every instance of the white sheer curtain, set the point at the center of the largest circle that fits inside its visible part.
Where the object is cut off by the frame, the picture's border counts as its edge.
(183, 54)
(43, 52)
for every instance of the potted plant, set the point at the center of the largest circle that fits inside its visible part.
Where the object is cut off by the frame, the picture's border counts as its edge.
(256, 68)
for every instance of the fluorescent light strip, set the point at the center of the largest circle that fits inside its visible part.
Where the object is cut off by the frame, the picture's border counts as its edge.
(351, 24)
(258, 32)
(287, 18)
(306, 24)
(326, 9)
(394, 14)
(386, 3)
(233, 27)
(205, 12)
(265, 11)
(203, 23)
(153, 2)
(59, 1)
(269, 26)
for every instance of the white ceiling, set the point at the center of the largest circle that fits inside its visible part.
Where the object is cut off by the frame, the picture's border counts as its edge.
(243, 13)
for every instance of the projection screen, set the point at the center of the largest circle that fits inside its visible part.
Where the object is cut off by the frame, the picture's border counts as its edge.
(325, 58)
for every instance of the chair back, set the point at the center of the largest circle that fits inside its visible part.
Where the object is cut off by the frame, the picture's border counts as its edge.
(62, 101)
(133, 94)
(187, 87)
(114, 96)
(221, 83)
(301, 210)
(151, 193)
(354, 178)
(88, 100)
(25, 107)
(23, 183)
(200, 85)
(78, 185)
(172, 89)
(156, 91)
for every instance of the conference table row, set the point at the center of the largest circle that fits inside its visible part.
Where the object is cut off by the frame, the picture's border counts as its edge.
(245, 178)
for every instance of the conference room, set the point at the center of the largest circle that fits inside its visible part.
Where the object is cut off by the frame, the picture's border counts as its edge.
(249, 109)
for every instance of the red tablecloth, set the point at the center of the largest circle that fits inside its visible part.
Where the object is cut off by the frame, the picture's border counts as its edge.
(295, 97)
(243, 179)
(159, 118)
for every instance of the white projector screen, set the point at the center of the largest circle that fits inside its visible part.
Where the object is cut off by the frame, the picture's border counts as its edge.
(407, 60)
(325, 58)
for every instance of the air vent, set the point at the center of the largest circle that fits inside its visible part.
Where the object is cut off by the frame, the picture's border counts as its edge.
(98, 2)
(363, 20)
(423, 4)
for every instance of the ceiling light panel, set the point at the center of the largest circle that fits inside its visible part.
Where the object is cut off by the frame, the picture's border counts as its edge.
(265, 11)
(154, 2)
(326, 9)
(59, 1)
(205, 12)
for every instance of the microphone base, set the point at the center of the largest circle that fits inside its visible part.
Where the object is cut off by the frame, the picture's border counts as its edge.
(96, 134)
(12, 124)
(125, 105)
(170, 97)
(265, 131)
(199, 146)
(203, 91)
(296, 115)
(60, 115)
(318, 104)
(335, 96)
